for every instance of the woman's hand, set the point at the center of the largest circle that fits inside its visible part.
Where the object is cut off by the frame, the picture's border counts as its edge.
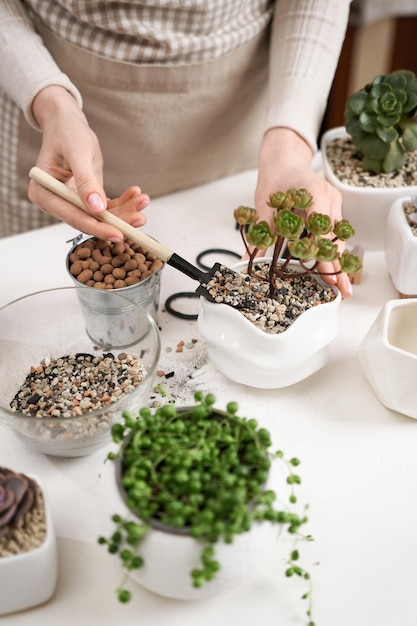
(284, 162)
(71, 153)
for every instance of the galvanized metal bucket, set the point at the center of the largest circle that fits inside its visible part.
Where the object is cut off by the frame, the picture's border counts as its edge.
(111, 315)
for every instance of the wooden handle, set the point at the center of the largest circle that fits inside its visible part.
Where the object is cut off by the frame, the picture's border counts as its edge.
(134, 234)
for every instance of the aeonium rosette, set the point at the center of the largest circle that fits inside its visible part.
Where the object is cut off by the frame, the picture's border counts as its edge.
(288, 224)
(318, 224)
(260, 236)
(245, 215)
(343, 230)
(17, 497)
(349, 263)
(303, 249)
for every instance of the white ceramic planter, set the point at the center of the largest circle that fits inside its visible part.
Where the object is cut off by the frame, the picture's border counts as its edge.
(366, 208)
(30, 578)
(249, 356)
(170, 557)
(401, 249)
(388, 355)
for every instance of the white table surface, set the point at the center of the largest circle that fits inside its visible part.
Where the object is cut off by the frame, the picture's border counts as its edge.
(359, 460)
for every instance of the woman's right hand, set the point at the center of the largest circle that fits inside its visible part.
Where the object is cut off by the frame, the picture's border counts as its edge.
(71, 153)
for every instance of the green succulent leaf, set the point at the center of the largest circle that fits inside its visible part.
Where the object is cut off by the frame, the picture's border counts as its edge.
(372, 165)
(373, 147)
(245, 215)
(288, 224)
(388, 121)
(394, 159)
(398, 79)
(357, 103)
(318, 224)
(410, 136)
(260, 235)
(411, 103)
(387, 134)
(368, 122)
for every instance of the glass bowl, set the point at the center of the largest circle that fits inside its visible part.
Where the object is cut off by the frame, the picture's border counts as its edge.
(44, 327)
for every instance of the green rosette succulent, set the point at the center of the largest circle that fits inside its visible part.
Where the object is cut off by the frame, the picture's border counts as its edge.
(288, 224)
(343, 230)
(304, 249)
(301, 198)
(379, 119)
(280, 200)
(326, 250)
(349, 263)
(318, 224)
(245, 215)
(260, 235)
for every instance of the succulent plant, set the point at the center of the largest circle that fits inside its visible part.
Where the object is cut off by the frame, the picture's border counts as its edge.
(311, 238)
(17, 496)
(379, 119)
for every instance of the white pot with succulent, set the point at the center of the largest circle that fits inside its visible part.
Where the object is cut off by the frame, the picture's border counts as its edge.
(401, 245)
(28, 554)
(203, 500)
(273, 319)
(372, 160)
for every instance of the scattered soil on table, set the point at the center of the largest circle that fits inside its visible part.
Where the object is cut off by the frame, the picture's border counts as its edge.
(347, 166)
(179, 372)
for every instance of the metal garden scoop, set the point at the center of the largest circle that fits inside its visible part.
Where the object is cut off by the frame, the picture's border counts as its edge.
(134, 234)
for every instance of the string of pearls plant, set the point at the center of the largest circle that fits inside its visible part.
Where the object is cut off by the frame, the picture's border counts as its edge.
(205, 470)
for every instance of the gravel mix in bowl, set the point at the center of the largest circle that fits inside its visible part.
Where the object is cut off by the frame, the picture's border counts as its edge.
(347, 166)
(58, 391)
(76, 384)
(250, 295)
(62, 390)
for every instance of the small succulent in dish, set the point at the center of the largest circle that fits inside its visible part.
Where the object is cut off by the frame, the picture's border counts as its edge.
(20, 497)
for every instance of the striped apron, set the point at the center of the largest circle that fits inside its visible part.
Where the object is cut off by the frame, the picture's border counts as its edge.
(164, 128)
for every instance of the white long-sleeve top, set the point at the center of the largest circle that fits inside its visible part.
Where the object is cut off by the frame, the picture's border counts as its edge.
(306, 39)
